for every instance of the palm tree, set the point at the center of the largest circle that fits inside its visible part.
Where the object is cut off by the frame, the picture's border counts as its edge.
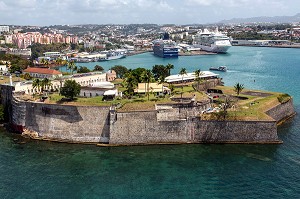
(45, 83)
(198, 73)
(59, 61)
(72, 66)
(169, 67)
(182, 73)
(60, 79)
(36, 84)
(147, 76)
(238, 88)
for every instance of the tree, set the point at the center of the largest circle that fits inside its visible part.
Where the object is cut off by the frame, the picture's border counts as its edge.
(27, 76)
(147, 77)
(227, 104)
(72, 66)
(238, 88)
(169, 67)
(198, 73)
(59, 61)
(120, 70)
(130, 82)
(182, 73)
(138, 73)
(36, 84)
(98, 68)
(160, 72)
(70, 89)
(83, 69)
(45, 83)
(60, 79)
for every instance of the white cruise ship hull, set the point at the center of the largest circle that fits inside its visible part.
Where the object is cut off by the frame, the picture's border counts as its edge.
(214, 48)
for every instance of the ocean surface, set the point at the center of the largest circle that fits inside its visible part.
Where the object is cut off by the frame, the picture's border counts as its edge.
(41, 169)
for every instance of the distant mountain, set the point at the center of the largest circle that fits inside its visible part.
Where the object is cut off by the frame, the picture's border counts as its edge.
(264, 19)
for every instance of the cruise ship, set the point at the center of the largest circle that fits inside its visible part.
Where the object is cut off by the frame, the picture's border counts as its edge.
(215, 42)
(165, 47)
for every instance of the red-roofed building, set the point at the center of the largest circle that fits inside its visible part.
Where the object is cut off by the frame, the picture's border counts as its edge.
(42, 72)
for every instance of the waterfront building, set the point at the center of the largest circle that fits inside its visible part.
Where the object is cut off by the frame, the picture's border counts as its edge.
(85, 79)
(53, 54)
(189, 77)
(111, 75)
(42, 72)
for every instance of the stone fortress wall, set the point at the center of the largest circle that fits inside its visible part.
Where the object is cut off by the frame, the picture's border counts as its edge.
(177, 124)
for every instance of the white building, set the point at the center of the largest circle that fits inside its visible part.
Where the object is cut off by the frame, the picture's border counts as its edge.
(86, 79)
(3, 69)
(4, 29)
(190, 77)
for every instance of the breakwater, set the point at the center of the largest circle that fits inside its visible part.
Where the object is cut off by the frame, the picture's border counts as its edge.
(173, 124)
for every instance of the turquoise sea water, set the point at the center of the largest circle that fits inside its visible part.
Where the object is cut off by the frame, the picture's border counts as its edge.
(38, 169)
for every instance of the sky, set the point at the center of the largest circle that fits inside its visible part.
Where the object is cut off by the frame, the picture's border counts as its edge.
(72, 12)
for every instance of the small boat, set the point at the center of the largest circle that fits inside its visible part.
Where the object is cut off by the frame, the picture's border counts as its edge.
(220, 68)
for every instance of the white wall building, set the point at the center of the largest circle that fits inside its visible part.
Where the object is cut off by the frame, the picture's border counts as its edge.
(4, 29)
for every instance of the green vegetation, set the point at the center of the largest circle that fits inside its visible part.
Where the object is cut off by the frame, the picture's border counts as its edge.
(136, 102)
(283, 98)
(246, 107)
(160, 72)
(120, 70)
(70, 89)
(238, 88)
(14, 62)
(38, 49)
(182, 73)
(83, 69)
(98, 68)
(2, 113)
(147, 77)
(71, 66)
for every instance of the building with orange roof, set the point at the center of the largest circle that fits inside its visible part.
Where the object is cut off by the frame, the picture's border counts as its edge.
(42, 72)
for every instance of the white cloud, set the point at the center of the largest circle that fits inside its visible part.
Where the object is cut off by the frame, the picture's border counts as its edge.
(139, 11)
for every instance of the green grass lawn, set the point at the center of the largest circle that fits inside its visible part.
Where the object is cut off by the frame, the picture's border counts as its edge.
(138, 102)
(254, 107)
(251, 108)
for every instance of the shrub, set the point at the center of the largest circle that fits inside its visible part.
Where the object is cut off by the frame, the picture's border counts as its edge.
(283, 98)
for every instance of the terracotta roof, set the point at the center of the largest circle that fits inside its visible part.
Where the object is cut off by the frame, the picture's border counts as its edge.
(42, 71)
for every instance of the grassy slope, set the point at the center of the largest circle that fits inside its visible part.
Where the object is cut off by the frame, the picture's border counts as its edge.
(252, 108)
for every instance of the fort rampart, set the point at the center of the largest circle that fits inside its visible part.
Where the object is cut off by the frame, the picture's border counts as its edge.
(93, 124)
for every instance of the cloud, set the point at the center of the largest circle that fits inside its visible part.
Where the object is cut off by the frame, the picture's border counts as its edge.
(48, 12)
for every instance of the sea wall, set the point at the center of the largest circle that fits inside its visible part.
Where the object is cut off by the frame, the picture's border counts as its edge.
(168, 124)
(62, 123)
(282, 111)
(143, 128)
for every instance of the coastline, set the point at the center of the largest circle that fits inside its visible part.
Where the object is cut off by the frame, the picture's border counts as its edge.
(107, 127)
(271, 46)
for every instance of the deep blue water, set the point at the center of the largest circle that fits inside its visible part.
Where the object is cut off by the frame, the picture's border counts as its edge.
(38, 169)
